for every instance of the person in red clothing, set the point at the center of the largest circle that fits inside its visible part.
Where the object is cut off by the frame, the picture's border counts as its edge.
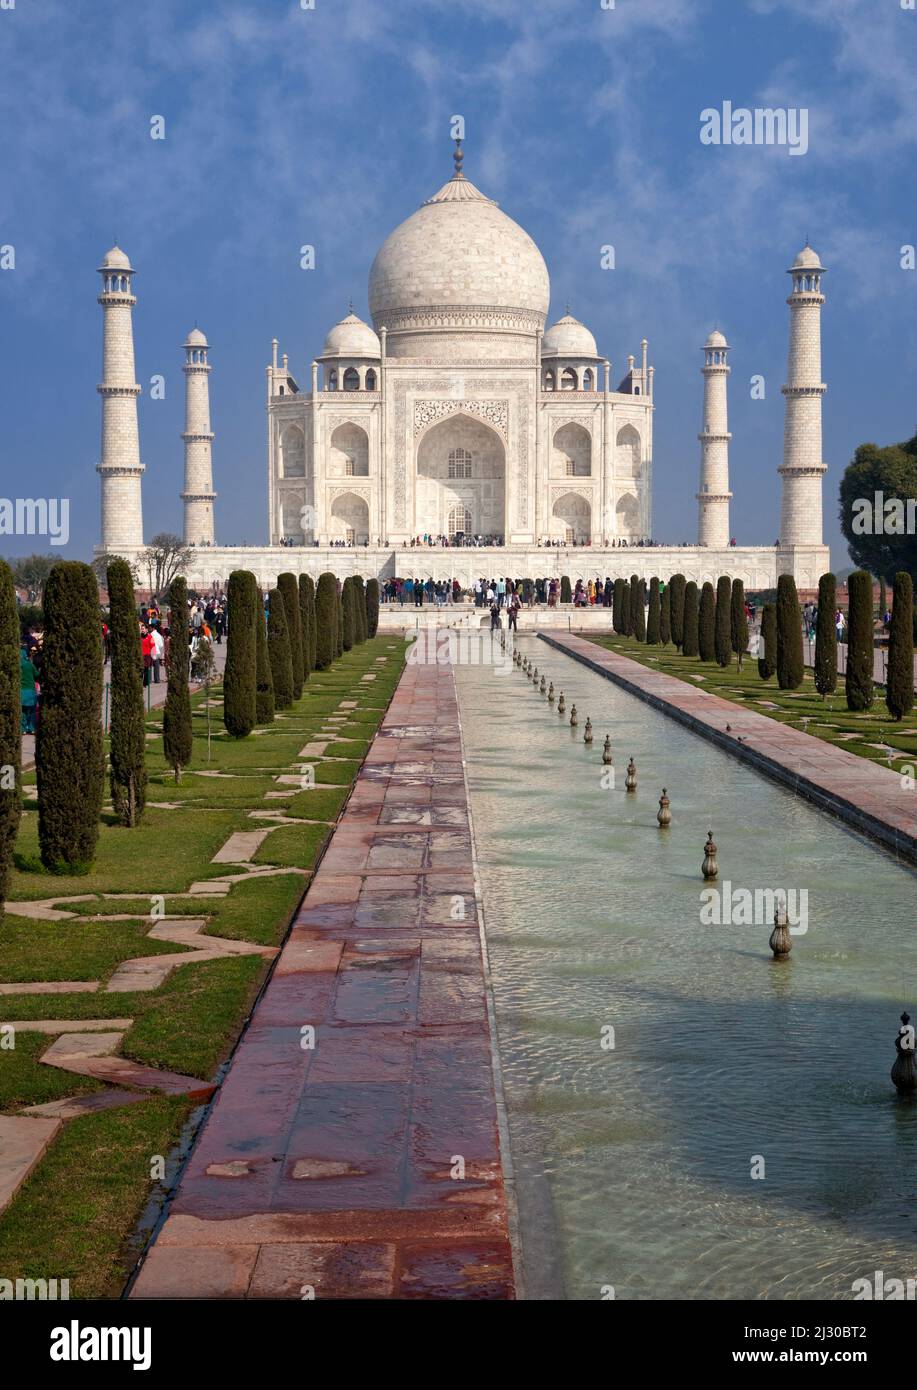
(146, 647)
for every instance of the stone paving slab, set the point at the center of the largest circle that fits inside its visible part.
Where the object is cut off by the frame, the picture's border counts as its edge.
(868, 797)
(330, 1157)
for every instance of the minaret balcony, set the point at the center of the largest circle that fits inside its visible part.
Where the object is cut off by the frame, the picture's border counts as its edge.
(108, 389)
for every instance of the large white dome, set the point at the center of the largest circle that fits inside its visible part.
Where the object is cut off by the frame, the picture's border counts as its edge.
(459, 265)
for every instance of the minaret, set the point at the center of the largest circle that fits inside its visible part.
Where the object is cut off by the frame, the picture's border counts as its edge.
(120, 469)
(198, 495)
(801, 473)
(714, 495)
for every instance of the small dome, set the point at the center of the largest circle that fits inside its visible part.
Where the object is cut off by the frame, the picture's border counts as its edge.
(568, 338)
(716, 340)
(196, 339)
(352, 338)
(115, 259)
(807, 260)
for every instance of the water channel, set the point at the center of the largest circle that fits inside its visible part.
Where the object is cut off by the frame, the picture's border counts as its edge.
(633, 1163)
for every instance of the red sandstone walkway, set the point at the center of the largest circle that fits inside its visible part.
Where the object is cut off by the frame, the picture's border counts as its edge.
(869, 797)
(334, 1168)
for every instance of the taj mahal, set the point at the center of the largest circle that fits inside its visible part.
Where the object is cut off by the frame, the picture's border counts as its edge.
(459, 415)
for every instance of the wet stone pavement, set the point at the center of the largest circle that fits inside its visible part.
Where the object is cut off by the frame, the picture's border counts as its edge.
(367, 1164)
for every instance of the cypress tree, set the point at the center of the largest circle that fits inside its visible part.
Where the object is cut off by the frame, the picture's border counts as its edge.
(826, 637)
(652, 622)
(625, 610)
(289, 589)
(738, 621)
(264, 680)
(127, 732)
(665, 616)
(722, 631)
(566, 593)
(883, 598)
(177, 738)
(70, 747)
(790, 664)
(633, 595)
(278, 650)
(309, 611)
(359, 610)
(617, 614)
(677, 609)
(348, 613)
(339, 623)
(640, 611)
(767, 660)
(860, 644)
(10, 736)
(899, 681)
(706, 624)
(306, 604)
(372, 607)
(240, 676)
(325, 610)
(689, 646)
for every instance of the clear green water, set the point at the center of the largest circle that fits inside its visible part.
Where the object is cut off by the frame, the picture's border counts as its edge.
(633, 1165)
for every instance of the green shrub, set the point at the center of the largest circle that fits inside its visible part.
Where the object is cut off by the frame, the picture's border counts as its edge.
(767, 661)
(738, 622)
(860, 641)
(348, 613)
(359, 610)
(722, 628)
(706, 624)
(372, 607)
(10, 736)
(652, 622)
(177, 737)
(307, 619)
(70, 748)
(618, 621)
(264, 680)
(626, 610)
(640, 611)
(899, 686)
(244, 605)
(826, 637)
(665, 616)
(566, 593)
(127, 731)
(278, 650)
(289, 589)
(325, 621)
(690, 640)
(790, 663)
(677, 608)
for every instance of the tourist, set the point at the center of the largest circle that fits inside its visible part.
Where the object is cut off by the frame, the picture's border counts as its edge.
(512, 609)
(157, 652)
(146, 651)
(28, 691)
(495, 623)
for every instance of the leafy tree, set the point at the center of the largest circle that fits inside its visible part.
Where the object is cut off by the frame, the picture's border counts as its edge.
(860, 641)
(264, 681)
(372, 607)
(10, 736)
(127, 733)
(706, 626)
(891, 471)
(99, 567)
(289, 590)
(278, 650)
(164, 557)
(738, 622)
(790, 663)
(676, 590)
(826, 637)
(177, 734)
(652, 622)
(325, 621)
(722, 639)
(690, 640)
(240, 676)
(767, 661)
(31, 573)
(348, 613)
(70, 747)
(665, 616)
(899, 682)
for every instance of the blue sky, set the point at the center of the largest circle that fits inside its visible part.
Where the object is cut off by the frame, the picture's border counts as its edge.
(328, 126)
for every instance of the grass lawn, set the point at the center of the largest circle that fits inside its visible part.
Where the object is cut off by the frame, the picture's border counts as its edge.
(74, 1217)
(804, 709)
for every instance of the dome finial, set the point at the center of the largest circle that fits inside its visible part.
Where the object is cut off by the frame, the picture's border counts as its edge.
(458, 158)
